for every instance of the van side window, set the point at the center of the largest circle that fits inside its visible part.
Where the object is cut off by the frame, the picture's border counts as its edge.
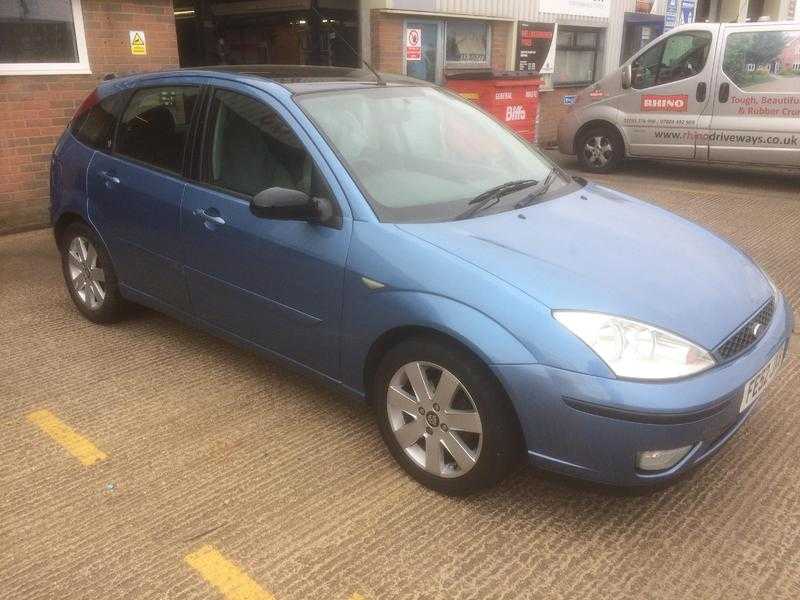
(679, 56)
(155, 126)
(95, 127)
(764, 61)
(251, 149)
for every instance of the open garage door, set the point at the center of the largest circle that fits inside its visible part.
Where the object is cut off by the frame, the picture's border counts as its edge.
(286, 32)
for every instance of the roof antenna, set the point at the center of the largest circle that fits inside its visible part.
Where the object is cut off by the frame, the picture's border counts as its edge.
(378, 79)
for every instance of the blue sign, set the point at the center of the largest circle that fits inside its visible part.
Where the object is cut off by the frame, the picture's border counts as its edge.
(687, 11)
(670, 15)
(569, 100)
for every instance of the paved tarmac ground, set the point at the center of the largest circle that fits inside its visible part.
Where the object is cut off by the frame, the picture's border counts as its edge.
(149, 460)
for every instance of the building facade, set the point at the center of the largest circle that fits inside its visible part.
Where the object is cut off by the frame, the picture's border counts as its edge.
(53, 52)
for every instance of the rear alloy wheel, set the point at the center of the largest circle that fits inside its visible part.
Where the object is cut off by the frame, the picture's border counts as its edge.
(444, 417)
(600, 150)
(89, 275)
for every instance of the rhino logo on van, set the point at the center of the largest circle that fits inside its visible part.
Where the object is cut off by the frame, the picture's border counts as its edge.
(656, 103)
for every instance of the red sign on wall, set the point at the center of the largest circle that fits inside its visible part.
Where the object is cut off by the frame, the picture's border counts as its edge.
(414, 44)
(658, 103)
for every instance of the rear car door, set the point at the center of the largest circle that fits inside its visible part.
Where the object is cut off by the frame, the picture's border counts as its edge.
(668, 95)
(756, 118)
(275, 283)
(135, 192)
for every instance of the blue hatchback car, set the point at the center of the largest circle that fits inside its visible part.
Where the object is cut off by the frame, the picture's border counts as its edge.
(402, 245)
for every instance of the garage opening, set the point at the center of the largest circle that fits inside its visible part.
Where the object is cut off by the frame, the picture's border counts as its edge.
(281, 32)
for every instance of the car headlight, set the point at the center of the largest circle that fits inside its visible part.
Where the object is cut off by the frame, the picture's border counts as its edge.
(634, 350)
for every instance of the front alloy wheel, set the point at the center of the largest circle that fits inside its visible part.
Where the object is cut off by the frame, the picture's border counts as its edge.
(434, 419)
(444, 416)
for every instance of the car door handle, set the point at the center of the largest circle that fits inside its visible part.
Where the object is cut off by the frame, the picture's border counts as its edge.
(701, 91)
(724, 92)
(109, 177)
(199, 212)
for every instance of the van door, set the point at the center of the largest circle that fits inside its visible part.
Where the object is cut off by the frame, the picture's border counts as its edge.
(756, 116)
(669, 92)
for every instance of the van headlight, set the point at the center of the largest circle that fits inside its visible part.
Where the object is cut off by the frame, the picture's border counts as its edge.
(634, 350)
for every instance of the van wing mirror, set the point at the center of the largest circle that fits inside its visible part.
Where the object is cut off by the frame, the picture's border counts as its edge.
(626, 76)
(293, 205)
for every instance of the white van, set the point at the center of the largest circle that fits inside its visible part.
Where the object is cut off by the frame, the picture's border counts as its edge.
(713, 92)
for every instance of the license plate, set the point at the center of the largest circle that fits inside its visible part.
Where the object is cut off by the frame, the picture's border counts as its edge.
(756, 386)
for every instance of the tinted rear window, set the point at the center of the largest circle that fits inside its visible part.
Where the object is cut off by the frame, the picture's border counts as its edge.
(95, 127)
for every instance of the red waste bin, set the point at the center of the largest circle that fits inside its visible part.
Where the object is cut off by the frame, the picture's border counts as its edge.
(510, 96)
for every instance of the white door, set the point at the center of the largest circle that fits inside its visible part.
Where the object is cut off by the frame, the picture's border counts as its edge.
(756, 117)
(670, 85)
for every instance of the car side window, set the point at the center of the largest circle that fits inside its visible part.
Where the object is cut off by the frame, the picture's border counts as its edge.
(764, 61)
(95, 127)
(156, 124)
(679, 56)
(250, 148)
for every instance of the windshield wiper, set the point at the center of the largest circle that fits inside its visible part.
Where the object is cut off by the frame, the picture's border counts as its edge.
(484, 199)
(539, 191)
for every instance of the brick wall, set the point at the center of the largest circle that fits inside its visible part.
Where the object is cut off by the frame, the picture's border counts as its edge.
(551, 109)
(34, 110)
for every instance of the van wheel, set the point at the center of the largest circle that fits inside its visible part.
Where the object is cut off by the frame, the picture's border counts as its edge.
(89, 275)
(444, 417)
(600, 149)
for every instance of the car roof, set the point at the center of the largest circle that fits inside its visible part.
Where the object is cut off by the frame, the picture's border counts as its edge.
(298, 79)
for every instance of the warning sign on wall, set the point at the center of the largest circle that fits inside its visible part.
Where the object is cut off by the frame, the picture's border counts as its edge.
(138, 43)
(414, 44)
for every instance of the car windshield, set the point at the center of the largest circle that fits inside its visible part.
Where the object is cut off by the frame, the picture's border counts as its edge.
(421, 155)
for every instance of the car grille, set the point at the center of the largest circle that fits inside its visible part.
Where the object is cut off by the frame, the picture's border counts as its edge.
(744, 337)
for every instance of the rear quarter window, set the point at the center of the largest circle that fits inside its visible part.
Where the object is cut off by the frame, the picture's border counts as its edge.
(95, 127)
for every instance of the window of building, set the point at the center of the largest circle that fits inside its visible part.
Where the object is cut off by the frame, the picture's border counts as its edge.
(253, 149)
(758, 61)
(680, 56)
(155, 126)
(467, 43)
(576, 56)
(42, 38)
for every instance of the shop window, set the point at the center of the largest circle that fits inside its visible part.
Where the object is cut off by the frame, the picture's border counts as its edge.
(467, 43)
(680, 56)
(576, 56)
(43, 37)
(763, 61)
(155, 126)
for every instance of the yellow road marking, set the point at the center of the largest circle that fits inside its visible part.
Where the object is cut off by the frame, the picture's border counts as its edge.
(230, 580)
(357, 596)
(77, 445)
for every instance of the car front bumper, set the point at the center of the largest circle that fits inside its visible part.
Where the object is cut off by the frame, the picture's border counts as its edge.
(593, 427)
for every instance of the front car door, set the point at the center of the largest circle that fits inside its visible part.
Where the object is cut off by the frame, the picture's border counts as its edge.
(669, 93)
(756, 118)
(274, 283)
(135, 192)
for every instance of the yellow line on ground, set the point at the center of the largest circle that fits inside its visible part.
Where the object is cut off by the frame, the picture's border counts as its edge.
(230, 580)
(77, 445)
(357, 596)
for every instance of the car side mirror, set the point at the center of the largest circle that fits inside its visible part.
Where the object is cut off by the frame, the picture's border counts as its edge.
(292, 205)
(626, 76)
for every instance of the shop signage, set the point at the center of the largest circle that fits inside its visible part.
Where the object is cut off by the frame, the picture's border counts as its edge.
(579, 8)
(138, 43)
(670, 15)
(535, 48)
(413, 44)
(687, 11)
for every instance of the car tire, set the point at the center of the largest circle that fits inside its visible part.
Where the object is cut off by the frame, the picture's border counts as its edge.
(600, 149)
(89, 275)
(468, 435)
